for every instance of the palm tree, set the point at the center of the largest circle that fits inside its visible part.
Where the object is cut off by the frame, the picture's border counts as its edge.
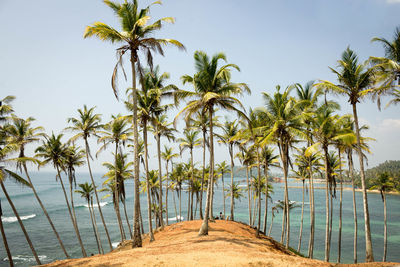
(282, 113)
(116, 131)
(273, 210)
(356, 82)
(87, 124)
(5, 173)
(167, 155)
(222, 168)
(54, 151)
(189, 141)
(237, 192)
(136, 35)
(268, 160)
(384, 183)
(212, 89)
(21, 133)
(229, 130)
(396, 98)
(86, 193)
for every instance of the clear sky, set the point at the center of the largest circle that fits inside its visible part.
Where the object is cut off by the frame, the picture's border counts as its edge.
(53, 71)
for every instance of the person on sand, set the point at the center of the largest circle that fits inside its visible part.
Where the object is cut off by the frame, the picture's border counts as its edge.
(221, 217)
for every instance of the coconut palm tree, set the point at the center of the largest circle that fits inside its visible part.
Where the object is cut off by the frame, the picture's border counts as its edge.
(86, 192)
(189, 141)
(222, 168)
(274, 210)
(88, 124)
(283, 123)
(356, 81)
(229, 130)
(237, 192)
(212, 89)
(384, 183)
(5, 173)
(268, 160)
(20, 133)
(118, 132)
(167, 155)
(136, 35)
(54, 151)
(396, 98)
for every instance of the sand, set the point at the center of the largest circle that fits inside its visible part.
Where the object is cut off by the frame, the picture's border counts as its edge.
(227, 244)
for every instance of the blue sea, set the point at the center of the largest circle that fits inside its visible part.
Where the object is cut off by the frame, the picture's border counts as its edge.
(51, 194)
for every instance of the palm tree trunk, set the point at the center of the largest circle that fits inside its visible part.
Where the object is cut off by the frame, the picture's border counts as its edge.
(116, 192)
(95, 225)
(223, 191)
(45, 211)
(160, 178)
(259, 192)
(70, 214)
(385, 228)
(180, 202)
(126, 218)
(137, 238)
(330, 223)
(369, 255)
(312, 208)
(166, 194)
(301, 220)
(283, 224)
(3, 235)
(270, 227)
(326, 204)
(192, 183)
(202, 175)
(248, 193)
(204, 227)
(284, 150)
(146, 162)
(266, 198)
(232, 196)
(95, 193)
(350, 162)
(176, 212)
(94, 230)
(20, 223)
(340, 208)
(141, 229)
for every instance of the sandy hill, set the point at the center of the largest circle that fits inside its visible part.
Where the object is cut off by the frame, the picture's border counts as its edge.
(228, 244)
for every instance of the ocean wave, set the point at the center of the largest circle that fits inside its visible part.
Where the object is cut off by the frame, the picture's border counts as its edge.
(176, 218)
(14, 219)
(27, 258)
(115, 244)
(102, 204)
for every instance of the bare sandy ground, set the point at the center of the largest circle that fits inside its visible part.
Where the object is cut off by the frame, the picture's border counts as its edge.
(227, 244)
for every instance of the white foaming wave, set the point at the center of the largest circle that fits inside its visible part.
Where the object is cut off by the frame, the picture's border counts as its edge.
(27, 258)
(115, 244)
(176, 218)
(102, 204)
(14, 219)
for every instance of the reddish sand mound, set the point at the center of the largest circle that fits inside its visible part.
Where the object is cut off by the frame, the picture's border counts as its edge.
(227, 244)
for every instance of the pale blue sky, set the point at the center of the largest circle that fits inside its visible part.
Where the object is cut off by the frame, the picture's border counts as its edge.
(53, 71)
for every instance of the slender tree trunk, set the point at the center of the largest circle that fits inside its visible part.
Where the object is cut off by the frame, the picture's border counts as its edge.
(192, 183)
(141, 229)
(95, 226)
(283, 224)
(248, 193)
(232, 196)
(95, 193)
(326, 204)
(160, 178)
(369, 255)
(180, 202)
(270, 227)
(223, 190)
(166, 194)
(70, 214)
(94, 230)
(266, 197)
(259, 191)
(385, 228)
(301, 220)
(137, 238)
(351, 171)
(340, 208)
(284, 150)
(45, 212)
(20, 223)
(202, 175)
(176, 212)
(116, 192)
(254, 206)
(312, 209)
(146, 162)
(127, 220)
(204, 227)
(330, 222)
(3, 235)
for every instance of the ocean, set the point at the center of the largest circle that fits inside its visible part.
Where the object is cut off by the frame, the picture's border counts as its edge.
(51, 194)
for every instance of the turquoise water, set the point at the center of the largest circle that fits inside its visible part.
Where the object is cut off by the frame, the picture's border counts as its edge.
(51, 194)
